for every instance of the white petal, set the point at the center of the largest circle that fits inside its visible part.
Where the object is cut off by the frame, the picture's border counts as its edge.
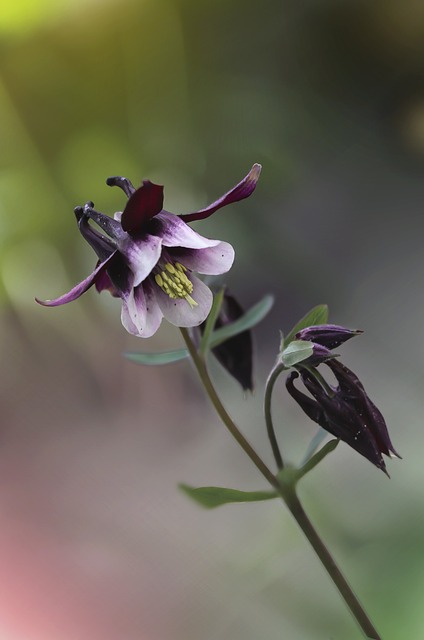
(141, 314)
(211, 261)
(141, 255)
(179, 312)
(176, 233)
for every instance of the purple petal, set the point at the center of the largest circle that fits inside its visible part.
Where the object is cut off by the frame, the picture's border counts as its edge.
(120, 275)
(327, 335)
(108, 225)
(379, 430)
(311, 407)
(144, 204)
(104, 283)
(141, 255)
(102, 245)
(211, 261)
(80, 288)
(179, 312)
(141, 314)
(176, 233)
(242, 190)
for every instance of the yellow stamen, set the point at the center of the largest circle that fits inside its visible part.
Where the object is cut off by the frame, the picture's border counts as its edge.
(174, 282)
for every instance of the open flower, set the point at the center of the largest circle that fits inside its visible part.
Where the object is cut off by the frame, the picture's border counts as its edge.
(147, 257)
(345, 411)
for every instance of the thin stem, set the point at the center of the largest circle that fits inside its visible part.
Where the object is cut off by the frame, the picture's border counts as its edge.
(268, 414)
(293, 503)
(200, 365)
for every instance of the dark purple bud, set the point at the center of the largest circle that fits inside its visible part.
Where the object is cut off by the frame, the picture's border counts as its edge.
(327, 335)
(350, 385)
(345, 411)
(236, 353)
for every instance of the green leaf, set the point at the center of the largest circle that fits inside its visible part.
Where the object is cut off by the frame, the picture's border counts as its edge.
(317, 457)
(297, 351)
(317, 315)
(164, 357)
(211, 497)
(250, 319)
(211, 321)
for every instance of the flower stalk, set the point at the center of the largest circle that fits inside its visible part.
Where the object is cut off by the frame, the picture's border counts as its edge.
(295, 507)
(200, 364)
(269, 388)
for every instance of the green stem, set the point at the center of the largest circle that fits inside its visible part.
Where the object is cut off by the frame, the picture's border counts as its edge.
(200, 365)
(293, 503)
(268, 415)
(285, 488)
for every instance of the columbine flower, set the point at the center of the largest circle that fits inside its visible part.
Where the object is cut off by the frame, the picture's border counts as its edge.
(345, 411)
(147, 257)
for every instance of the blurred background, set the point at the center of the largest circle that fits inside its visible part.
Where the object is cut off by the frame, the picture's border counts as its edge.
(96, 541)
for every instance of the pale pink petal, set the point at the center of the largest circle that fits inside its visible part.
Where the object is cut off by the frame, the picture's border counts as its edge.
(141, 255)
(176, 233)
(141, 314)
(211, 261)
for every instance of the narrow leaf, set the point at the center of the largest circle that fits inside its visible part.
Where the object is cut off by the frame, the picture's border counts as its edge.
(211, 497)
(164, 357)
(316, 440)
(317, 457)
(297, 351)
(250, 319)
(317, 315)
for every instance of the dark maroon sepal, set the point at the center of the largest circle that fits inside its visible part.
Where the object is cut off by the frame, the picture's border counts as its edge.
(145, 203)
(236, 353)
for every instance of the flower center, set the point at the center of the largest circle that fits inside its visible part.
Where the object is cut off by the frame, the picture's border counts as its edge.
(174, 282)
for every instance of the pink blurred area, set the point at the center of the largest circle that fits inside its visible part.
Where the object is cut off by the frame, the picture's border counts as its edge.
(96, 540)
(87, 441)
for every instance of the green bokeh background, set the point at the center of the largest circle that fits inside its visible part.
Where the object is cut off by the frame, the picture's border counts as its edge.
(96, 542)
